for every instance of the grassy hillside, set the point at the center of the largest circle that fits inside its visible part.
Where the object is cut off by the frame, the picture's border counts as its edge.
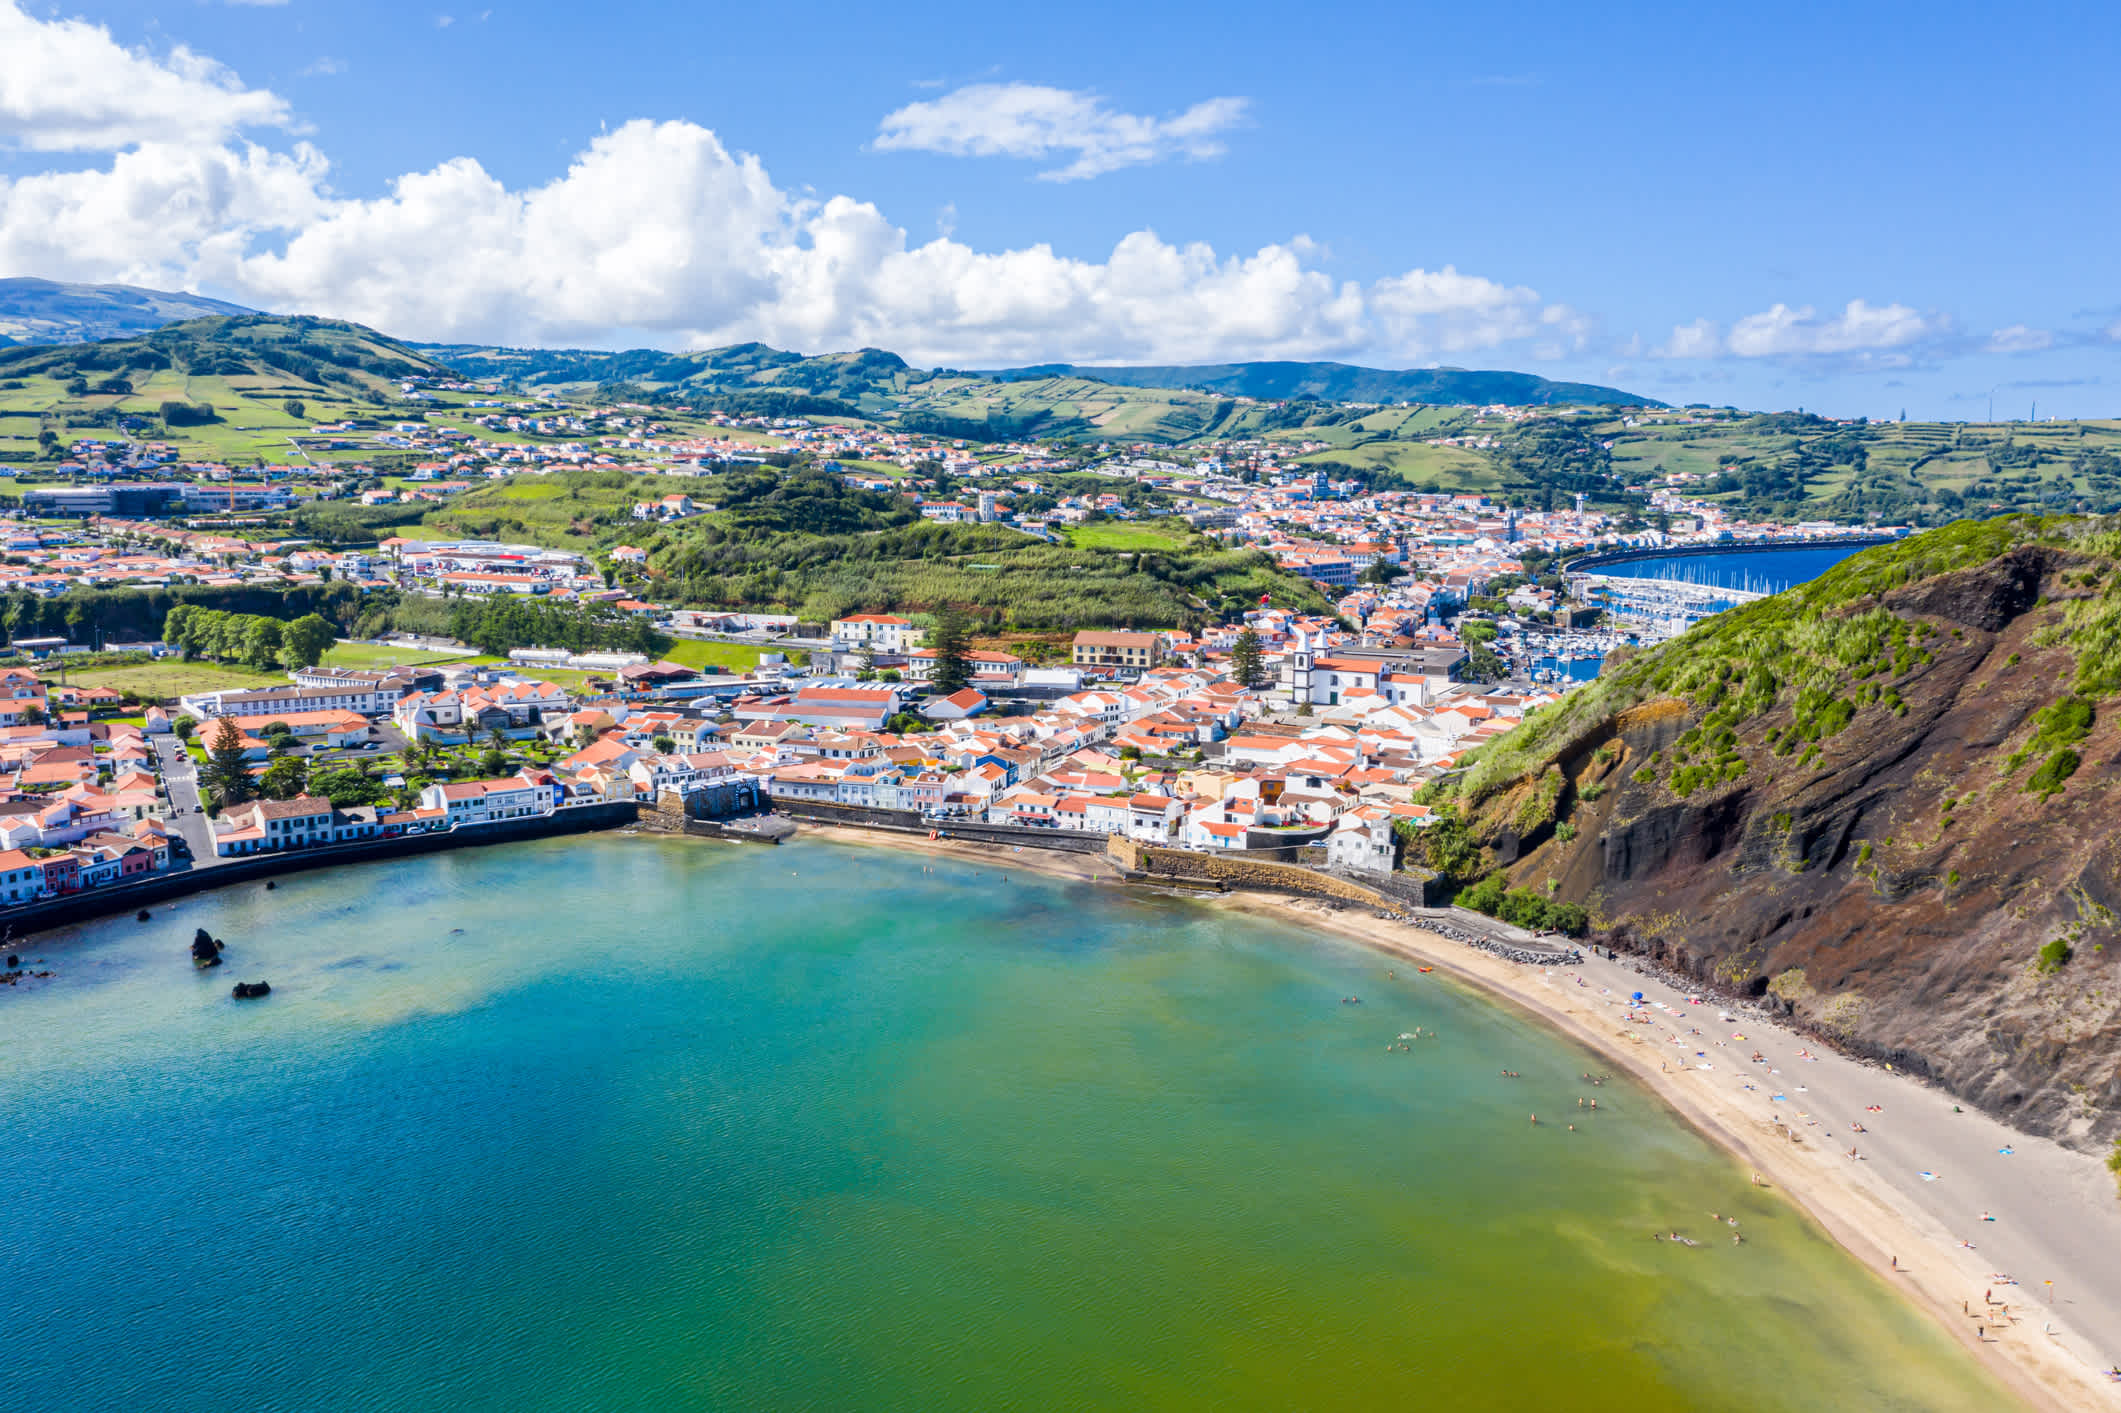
(1008, 580)
(1792, 466)
(1885, 800)
(221, 387)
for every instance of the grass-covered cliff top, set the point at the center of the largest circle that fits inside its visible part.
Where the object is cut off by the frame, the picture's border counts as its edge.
(1830, 648)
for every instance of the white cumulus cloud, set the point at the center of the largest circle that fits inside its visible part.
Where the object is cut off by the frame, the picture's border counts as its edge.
(1700, 339)
(658, 233)
(68, 86)
(2020, 338)
(1886, 335)
(1029, 120)
(1861, 327)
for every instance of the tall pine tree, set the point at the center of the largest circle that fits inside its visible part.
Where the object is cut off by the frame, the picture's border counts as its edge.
(1247, 665)
(953, 662)
(226, 775)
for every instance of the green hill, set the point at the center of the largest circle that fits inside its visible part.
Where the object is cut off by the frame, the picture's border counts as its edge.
(1344, 382)
(1885, 799)
(858, 381)
(47, 311)
(228, 386)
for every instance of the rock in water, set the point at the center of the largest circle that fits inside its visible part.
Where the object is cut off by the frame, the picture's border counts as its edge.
(205, 952)
(251, 990)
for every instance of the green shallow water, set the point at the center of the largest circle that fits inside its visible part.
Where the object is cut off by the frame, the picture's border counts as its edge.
(672, 1125)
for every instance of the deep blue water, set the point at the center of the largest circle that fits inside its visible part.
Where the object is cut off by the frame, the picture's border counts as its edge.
(1767, 571)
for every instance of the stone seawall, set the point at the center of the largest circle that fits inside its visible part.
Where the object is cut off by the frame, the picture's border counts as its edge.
(1153, 863)
(913, 822)
(160, 887)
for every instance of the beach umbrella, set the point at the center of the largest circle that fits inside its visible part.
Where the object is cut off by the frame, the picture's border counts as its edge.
(1638, 995)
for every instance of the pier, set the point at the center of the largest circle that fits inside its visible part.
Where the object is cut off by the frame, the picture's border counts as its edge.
(1658, 608)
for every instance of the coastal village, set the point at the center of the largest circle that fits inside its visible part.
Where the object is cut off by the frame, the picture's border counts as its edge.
(1310, 749)
(1144, 735)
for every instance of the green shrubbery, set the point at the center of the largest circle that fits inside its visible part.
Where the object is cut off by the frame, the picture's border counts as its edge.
(2053, 771)
(1524, 907)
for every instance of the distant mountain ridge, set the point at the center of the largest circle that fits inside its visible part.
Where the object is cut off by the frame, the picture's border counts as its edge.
(1341, 382)
(38, 311)
(34, 311)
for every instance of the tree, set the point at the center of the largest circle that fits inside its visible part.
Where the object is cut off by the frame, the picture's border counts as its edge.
(33, 716)
(1483, 665)
(494, 762)
(261, 642)
(953, 662)
(293, 407)
(1382, 571)
(1247, 666)
(226, 775)
(285, 778)
(346, 787)
(304, 642)
(182, 727)
(664, 745)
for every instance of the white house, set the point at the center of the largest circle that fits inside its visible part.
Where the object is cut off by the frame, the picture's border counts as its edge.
(876, 632)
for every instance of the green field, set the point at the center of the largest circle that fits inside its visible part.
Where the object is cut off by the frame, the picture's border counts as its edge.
(736, 657)
(171, 678)
(1132, 535)
(1446, 468)
(370, 655)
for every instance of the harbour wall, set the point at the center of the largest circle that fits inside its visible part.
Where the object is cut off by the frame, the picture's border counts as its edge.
(1155, 864)
(1065, 841)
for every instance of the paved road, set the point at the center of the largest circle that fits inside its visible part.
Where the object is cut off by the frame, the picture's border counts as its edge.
(180, 776)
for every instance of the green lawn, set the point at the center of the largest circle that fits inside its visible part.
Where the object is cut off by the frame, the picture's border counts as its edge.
(172, 678)
(1132, 535)
(737, 657)
(362, 655)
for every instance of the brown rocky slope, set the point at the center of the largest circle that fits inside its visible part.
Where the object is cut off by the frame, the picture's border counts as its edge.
(1887, 800)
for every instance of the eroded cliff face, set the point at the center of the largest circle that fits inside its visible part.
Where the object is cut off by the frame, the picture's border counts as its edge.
(1908, 884)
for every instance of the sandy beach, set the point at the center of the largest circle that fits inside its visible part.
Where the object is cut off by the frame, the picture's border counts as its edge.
(1971, 1219)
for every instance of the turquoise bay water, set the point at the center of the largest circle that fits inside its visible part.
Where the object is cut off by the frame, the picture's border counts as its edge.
(674, 1125)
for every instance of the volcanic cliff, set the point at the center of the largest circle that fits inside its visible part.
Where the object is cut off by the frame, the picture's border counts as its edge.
(1886, 800)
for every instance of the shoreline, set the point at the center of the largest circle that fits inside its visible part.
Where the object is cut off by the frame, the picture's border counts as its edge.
(2061, 1331)
(1866, 1208)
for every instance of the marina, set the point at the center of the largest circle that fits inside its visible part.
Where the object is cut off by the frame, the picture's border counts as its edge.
(1646, 599)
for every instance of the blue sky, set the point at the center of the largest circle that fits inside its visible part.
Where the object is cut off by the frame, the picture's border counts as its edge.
(1856, 209)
